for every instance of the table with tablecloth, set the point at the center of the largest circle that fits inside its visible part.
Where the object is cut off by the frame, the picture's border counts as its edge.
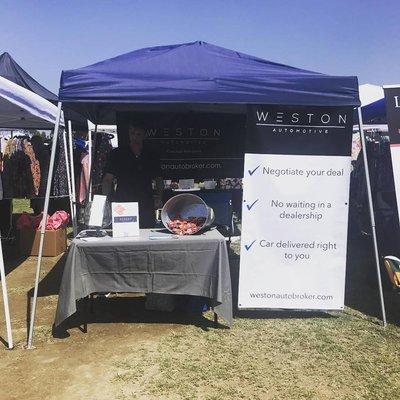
(153, 262)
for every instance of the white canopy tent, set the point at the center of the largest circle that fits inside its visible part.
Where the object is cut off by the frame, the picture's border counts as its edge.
(370, 93)
(22, 109)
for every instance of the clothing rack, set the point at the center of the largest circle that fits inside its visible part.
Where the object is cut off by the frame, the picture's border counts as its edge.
(377, 146)
(25, 168)
(36, 198)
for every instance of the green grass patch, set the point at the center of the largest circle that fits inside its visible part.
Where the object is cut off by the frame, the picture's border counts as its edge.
(340, 356)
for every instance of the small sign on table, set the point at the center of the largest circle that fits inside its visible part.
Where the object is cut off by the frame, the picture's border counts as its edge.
(125, 219)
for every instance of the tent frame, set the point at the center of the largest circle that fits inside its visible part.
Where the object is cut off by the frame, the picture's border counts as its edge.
(43, 226)
(73, 204)
(41, 115)
(10, 343)
(72, 185)
(72, 197)
(371, 214)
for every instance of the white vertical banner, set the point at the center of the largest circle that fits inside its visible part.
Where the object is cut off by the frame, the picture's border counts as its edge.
(295, 209)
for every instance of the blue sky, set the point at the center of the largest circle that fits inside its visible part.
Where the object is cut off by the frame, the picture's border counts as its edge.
(338, 37)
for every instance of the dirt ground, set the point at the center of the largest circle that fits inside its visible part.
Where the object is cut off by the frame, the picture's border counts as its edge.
(77, 366)
(130, 353)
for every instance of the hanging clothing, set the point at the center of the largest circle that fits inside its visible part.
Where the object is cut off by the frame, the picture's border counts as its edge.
(17, 175)
(102, 150)
(60, 179)
(24, 168)
(383, 194)
(84, 178)
(78, 154)
(42, 154)
(35, 166)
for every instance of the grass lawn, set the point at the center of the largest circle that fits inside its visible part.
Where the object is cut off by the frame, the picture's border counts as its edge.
(278, 355)
(343, 356)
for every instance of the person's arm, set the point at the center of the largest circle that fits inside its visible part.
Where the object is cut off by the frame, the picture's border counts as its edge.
(109, 173)
(107, 184)
(159, 180)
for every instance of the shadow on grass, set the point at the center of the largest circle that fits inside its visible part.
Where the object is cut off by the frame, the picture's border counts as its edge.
(12, 257)
(362, 291)
(4, 342)
(361, 294)
(126, 310)
(48, 286)
(109, 310)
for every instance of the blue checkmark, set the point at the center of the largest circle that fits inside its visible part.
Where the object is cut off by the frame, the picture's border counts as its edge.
(248, 246)
(251, 172)
(249, 207)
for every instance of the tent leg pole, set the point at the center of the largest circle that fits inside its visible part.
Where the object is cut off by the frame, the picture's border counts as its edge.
(68, 176)
(43, 226)
(71, 155)
(372, 216)
(5, 299)
(90, 163)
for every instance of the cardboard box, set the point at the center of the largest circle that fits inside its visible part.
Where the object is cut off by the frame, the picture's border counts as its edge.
(55, 242)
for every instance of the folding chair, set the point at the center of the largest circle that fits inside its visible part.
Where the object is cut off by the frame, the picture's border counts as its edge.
(392, 265)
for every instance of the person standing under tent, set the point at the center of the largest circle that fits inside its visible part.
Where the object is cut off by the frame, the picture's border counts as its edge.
(134, 168)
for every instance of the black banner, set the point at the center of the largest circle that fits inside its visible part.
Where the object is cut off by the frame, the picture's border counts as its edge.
(299, 130)
(390, 230)
(192, 144)
(392, 100)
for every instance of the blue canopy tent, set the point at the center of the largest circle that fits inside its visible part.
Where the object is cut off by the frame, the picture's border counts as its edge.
(374, 113)
(195, 75)
(12, 71)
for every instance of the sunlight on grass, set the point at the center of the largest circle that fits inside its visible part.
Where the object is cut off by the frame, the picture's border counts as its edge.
(341, 357)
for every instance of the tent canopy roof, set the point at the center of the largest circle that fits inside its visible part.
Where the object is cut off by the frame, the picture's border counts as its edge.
(370, 93)
(12, 71)
(22, 109)
(374, 113)
(373, 105)
(199, 72)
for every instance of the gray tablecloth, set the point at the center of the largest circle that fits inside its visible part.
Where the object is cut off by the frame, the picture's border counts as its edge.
(192, 265)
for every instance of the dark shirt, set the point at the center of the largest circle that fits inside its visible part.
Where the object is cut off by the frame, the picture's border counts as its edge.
(134, 174)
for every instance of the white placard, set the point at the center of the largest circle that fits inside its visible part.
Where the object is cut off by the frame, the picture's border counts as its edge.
(294, 231)
(125, 219)
(97, 210)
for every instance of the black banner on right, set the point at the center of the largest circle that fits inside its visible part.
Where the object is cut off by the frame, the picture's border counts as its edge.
(392, 99)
